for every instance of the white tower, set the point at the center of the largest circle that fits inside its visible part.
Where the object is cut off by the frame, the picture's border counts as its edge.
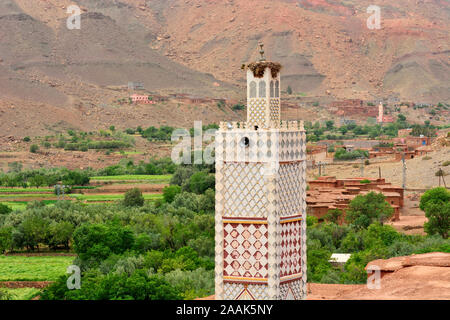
(380, 112)
(263, 92)
(261, 197)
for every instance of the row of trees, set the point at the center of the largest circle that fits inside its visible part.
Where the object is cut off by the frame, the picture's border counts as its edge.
(44, 177)
(316, 131)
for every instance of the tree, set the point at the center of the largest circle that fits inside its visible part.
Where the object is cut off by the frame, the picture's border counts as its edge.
(289, 90)
(6, 240)
(334, 215)
(343, 130)
(329, 124)
(33, 231)
(96, 242)
(170, 192)
(133, 198)
(365, 209)
(76, 178)
(436, 204)
(60, 233)
(401, 117)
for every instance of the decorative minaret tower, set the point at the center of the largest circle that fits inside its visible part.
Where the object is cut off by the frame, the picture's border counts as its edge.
(380, 113)
(261, 197)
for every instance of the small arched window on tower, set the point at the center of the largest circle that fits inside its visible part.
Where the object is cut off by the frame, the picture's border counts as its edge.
(277, 89)
(253, 89)
(272, 95)
(262, 89)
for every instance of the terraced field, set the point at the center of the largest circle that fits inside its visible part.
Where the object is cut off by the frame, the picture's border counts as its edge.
(38, 268)
(111, 197)
(164, 178)
(22, 293)
(102, 189)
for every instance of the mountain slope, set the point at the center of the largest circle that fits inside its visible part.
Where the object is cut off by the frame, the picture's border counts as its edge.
(198, 47)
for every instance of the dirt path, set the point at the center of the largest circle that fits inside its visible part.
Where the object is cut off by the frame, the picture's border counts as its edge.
(42, 254)
(24, 284)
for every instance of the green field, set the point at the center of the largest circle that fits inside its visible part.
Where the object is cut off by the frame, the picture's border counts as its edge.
(129, 152)
(26, 190)
(28, 195)
(112, 197)
(22, 293)
(15, 205)
(163, 178)
(43, 268)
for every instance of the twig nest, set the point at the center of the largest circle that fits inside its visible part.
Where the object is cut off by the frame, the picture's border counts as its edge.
(258, 68)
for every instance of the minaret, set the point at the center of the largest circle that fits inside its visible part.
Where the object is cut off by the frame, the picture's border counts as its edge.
(380, 112)
(260, 243)
(263, 92)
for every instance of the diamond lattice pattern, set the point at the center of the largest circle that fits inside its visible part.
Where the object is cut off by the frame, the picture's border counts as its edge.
(245, 250)
(245, 193)
(257, 110)
(290, 248)
(290, 189)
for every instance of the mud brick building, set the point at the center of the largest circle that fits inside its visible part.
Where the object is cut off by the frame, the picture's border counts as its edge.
(353, 107)
(328, 193)
(141, 99)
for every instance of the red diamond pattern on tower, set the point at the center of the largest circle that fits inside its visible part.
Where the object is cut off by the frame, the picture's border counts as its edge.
(290, 248)
(248, 260)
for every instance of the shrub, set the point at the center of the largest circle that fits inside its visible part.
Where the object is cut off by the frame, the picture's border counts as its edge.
(138, 286)
(192, 284)
(238, 107)
(446, 163)
(5, 295)
(200, 181)
(333, 215)
(4, 209)
(27, 139)
(289, 90)
(342, 154)
(170, 192)
(133, 198)
(34, 148)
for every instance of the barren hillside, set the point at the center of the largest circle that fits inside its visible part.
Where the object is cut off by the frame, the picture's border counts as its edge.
(56, 77)
(420, 171)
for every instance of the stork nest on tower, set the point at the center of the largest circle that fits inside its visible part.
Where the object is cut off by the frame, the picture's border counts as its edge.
(258, 68)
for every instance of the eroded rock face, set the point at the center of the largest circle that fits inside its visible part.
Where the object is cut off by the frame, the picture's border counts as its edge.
(432, 259)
